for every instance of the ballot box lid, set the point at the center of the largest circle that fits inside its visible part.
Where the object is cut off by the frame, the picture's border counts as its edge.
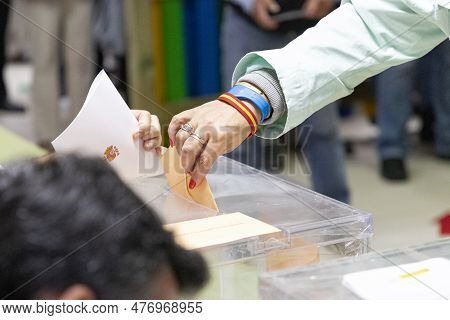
(295, 210)
(325, 280)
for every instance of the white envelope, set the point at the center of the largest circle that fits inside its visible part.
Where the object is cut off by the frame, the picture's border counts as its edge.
(428, 279)
(104, 128)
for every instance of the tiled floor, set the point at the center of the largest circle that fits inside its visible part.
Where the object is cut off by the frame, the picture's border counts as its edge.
(404, 213)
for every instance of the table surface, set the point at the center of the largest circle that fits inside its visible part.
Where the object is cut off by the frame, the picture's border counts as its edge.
(14, 147)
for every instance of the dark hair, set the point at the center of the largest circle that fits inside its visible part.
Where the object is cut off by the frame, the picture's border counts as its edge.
(51, 208)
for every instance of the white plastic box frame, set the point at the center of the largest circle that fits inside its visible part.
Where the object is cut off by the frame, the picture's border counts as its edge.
(335, 228)
(324, 281)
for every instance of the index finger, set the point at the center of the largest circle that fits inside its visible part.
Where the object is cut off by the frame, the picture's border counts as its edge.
(176, 123)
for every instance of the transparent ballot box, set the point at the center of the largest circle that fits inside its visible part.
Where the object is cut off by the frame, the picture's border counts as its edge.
(313, 227)
(325, 281)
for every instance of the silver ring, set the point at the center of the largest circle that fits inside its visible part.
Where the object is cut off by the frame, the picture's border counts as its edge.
(187, 128)
(198, 138)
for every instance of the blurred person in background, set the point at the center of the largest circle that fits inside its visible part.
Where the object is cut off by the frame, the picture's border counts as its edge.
(19, 44)
(5, 103)
(320, 66)
(59, 26)
(248, 26)
(72, 230)
(109, 40)
(394, 89)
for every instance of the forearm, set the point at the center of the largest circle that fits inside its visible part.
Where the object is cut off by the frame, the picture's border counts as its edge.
(355, 42)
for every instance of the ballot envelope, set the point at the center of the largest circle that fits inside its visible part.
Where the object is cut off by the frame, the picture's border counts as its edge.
(306, 227)
(421, 273)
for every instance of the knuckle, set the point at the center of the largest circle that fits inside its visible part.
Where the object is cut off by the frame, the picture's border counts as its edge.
(209, 124)
(154, 131)
(205, 161)
(187, 148)
(145, 113)
(175, 119)
(221, 136)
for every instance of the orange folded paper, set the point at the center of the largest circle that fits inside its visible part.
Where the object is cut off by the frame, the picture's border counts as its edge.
(300, 253)
(178, 181)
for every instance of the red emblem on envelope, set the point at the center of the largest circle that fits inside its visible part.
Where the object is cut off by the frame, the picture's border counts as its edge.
(111, 153)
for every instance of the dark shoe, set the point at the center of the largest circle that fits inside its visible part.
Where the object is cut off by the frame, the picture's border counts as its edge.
(426, 133)
(11, 107)
(443, 156)
(394, 169)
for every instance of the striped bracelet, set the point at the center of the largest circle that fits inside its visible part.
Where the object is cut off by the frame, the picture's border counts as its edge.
(245, 111)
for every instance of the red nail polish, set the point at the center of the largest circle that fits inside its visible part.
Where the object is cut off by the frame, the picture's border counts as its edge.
(192, 184)
(171, 142)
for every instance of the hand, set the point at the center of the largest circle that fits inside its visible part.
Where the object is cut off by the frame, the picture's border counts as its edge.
(221, 128)
(261, 13)
(149, 130)
(317, 9)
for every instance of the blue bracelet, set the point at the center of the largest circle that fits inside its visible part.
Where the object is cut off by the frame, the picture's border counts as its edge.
(244, 93)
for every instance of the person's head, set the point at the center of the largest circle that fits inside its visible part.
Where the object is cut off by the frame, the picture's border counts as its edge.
(70, 228)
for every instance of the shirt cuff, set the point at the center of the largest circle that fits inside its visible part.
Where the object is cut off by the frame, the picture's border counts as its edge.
(267, 81)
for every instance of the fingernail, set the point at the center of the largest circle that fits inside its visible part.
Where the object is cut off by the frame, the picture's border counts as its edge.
(171, 142)
(192, 184)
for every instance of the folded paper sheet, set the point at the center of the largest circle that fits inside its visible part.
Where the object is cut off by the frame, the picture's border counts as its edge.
(300, 253)
(104, 128)
(178, 181)
(428, 279)
(222, 229)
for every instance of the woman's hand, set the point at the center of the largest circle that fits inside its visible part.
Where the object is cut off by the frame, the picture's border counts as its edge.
(217, 127)
(149, 130)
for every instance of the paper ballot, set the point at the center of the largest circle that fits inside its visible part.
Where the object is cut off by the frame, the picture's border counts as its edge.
(428, 279)
(104, 128)
(178, 181)
(222, 229)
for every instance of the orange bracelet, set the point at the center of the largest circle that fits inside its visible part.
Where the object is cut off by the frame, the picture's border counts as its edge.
(245, 111)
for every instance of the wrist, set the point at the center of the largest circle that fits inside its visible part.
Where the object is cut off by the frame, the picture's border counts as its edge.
(254, 88)
(247, 92)
(255, 110)
(246, 109)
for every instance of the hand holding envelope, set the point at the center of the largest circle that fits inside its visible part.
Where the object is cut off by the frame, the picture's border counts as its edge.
(178, 181)
(104, 127)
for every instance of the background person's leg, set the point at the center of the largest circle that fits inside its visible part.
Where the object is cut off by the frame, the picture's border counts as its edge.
(79, 62)
(238, 37)
(46, 88)
(324, 151)
(439, 75)
(393, 96)
(325, 154)
(4, 10)
(5, 104)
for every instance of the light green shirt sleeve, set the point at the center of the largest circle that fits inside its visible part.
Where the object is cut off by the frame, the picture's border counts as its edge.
(358, 40)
